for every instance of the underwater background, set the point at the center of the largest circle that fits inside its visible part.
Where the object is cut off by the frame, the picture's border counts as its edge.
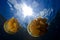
(49, 9)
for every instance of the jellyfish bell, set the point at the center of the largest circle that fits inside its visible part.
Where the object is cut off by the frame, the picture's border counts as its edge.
(37, 27)
(11, 26)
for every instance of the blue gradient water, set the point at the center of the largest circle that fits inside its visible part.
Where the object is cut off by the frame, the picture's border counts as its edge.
(6, 11)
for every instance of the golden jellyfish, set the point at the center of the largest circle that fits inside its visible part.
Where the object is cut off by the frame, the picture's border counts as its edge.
(37, 27)
(11, 26)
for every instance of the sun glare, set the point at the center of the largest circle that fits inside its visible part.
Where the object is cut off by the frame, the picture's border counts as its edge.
(26, 10)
